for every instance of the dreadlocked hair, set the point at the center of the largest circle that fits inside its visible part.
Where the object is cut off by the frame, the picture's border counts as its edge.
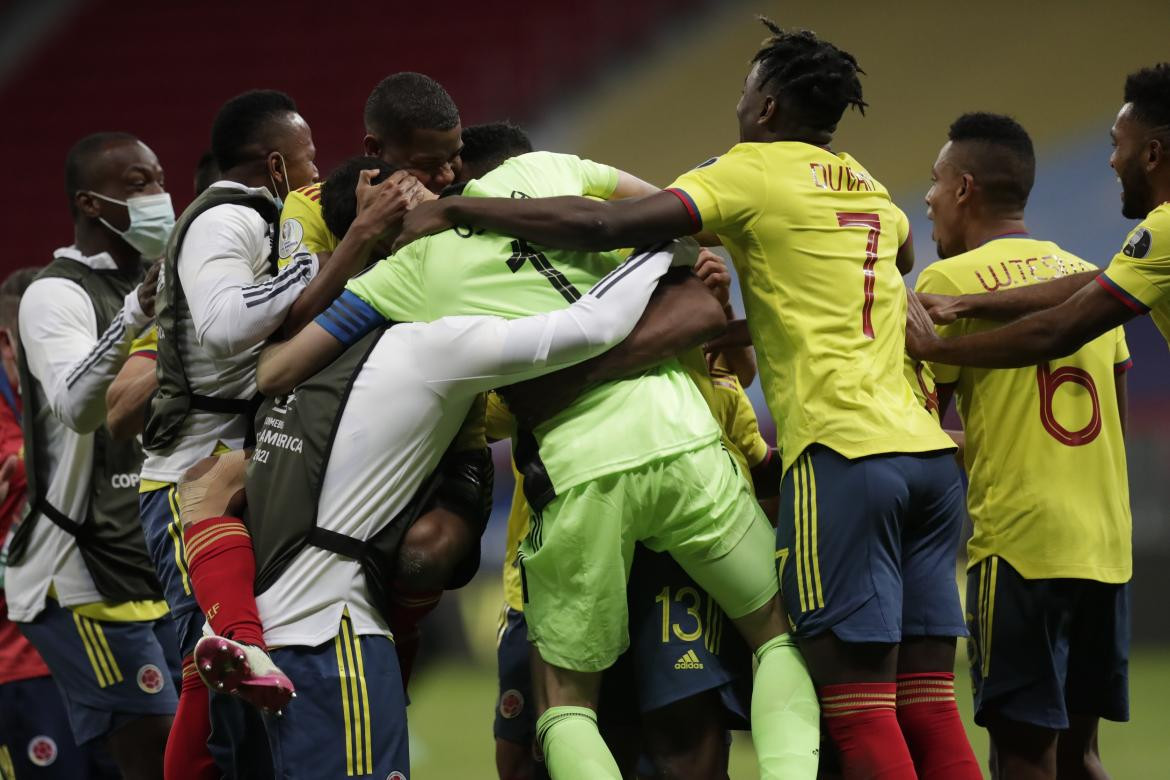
(817, 80)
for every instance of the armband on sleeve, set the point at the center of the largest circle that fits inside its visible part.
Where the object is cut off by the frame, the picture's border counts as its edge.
(349, 318)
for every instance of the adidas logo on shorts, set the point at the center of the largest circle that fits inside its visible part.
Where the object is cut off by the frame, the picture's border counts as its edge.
(688, 661)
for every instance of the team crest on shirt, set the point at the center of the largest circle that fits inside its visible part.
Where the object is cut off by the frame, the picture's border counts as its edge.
(291, 236)
(42, 750)
(511, 703)
(1138, 244)
(396, 775)
(150, 679)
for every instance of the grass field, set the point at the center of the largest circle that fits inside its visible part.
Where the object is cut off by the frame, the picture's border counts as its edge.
(451, 718)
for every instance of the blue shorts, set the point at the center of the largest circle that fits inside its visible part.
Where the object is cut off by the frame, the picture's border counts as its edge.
(1042, 650)
(866, 548)
(34, 730)
(108, 673)
(164, 539)
(349, 717)
(700, 651)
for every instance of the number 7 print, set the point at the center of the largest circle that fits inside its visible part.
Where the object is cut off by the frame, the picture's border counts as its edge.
(874, 223)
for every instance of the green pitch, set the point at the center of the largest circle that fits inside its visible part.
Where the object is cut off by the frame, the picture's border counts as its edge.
(451, 727)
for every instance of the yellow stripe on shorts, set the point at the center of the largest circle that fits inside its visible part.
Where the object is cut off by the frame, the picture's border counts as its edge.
(808, 567)
(798, 532)
(97, 649)
(175, 530)
(987, 619)
(814, 549)
(355, 702)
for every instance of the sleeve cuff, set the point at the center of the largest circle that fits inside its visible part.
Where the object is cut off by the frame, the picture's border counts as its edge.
(133, 309)
(691, 208)
(349, 318)
(1123, 366)
(1114, 289)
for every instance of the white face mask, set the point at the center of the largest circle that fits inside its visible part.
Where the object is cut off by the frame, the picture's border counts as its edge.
(152, 218)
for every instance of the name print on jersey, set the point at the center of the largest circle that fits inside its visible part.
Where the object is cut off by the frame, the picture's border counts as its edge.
(840, 177)
(1025, 270)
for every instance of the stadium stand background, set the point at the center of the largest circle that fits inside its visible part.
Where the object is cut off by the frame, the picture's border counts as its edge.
(649, 86)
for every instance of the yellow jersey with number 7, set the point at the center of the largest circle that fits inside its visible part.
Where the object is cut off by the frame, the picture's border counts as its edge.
(814, 238)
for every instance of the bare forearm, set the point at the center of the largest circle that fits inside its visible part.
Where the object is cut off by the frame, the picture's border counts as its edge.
(126, 404)
(1005, 305)
(1025, 342)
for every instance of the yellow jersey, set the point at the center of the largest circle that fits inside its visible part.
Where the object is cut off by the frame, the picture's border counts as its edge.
(302, 226)
(729, 405)
(1139, 275)
(1045, 452)
(814, 239)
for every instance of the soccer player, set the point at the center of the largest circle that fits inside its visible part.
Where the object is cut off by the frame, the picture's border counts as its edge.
(486, 146)
(35, 740)
(633, 460)
(80, 584)
(1073, 311)
(818, 245)
(1048, 569)
(222, 296)
(363, 469)
(413, 125)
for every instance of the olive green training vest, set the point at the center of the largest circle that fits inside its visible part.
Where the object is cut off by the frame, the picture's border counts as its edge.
(174, 400)
(110, 536)
(294, 439)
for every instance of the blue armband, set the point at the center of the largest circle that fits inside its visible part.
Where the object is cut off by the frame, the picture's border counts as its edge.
(349, 318)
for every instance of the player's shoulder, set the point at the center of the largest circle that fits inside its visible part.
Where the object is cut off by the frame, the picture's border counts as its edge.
(1151, 236)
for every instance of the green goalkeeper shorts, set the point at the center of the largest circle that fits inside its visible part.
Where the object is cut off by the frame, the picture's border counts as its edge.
(576, 558)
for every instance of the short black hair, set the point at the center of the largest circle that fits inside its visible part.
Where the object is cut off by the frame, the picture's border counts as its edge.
(817, 80)
(408, 101)
(1003, 160)
(243, 128)
(78, 162)
(338, 199)
(11, 290)
(1148, 90)
(206, 172)
(486, 146)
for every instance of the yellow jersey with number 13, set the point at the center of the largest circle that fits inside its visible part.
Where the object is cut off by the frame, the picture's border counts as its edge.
(814, 240)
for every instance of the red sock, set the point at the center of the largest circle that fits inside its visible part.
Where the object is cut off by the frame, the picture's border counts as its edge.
(934, 732)
(406, 610)
(187, 756)
(222, 568)
(862, 722)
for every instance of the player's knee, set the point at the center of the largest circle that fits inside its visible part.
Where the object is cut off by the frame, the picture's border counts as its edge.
(432, 549)
(213, 487)
(514, 761)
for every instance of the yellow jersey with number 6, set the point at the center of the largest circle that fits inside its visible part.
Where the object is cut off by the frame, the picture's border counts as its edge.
(814, 238)
(1045, 452)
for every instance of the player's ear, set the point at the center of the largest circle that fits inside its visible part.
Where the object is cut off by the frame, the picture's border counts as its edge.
(1155, 153)
(966, 187)
(87, 204)
(767, 110)
(371, 146)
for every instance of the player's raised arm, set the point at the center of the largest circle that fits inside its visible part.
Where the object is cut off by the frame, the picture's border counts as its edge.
(1005, 305)
(568, 222)
(1045, 335)
(286, 364)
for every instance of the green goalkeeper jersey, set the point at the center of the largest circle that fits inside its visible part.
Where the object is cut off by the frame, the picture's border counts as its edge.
(615, 426)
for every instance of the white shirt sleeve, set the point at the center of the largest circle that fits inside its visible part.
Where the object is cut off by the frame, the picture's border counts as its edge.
(481, 353)
(217, 266)
(65, 353)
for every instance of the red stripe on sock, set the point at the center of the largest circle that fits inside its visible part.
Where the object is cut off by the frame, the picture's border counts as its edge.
(861, 720)
(222, 568)
(930, 723)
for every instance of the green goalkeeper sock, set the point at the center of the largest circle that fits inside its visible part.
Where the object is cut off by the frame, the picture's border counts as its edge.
(572, 745)
(786, 718)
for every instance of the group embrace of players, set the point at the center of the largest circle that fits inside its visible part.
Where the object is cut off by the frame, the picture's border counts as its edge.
(254, 439)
